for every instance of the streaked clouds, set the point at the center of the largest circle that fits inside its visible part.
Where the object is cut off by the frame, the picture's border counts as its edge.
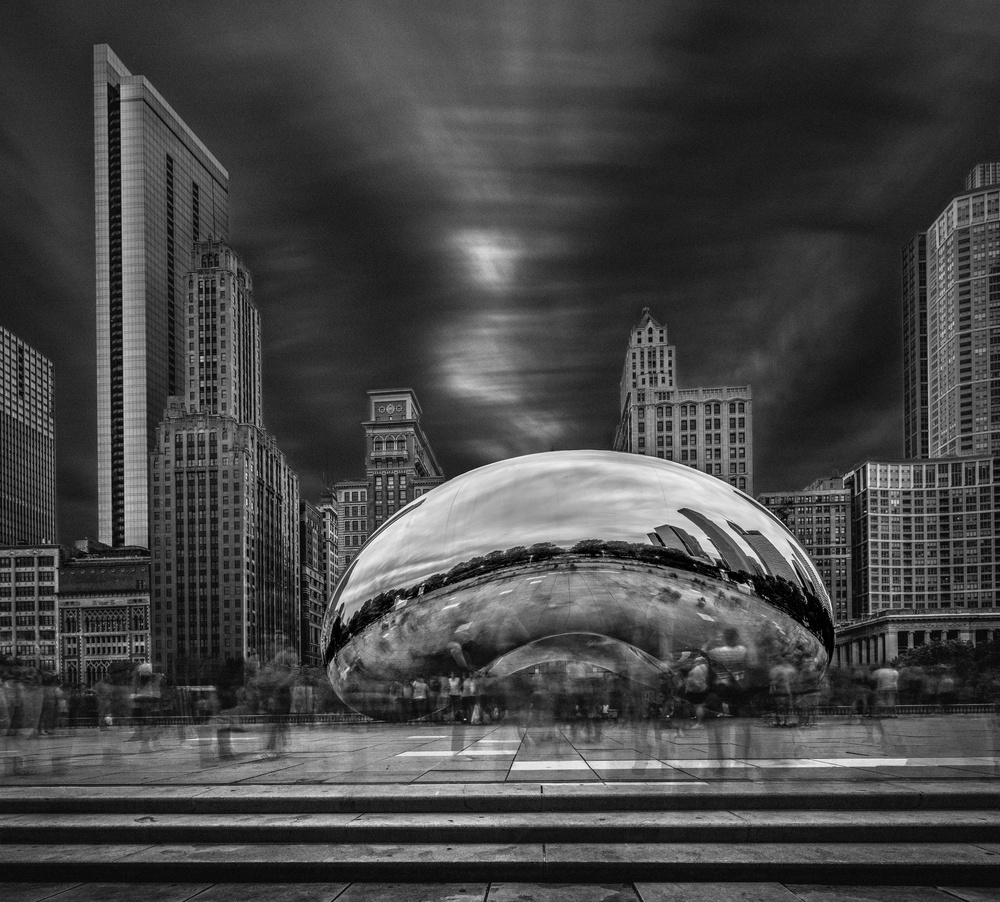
(478, 200)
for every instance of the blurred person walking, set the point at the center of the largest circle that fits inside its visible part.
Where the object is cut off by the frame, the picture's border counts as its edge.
(275, 682)
(886, 681)
(145, 705)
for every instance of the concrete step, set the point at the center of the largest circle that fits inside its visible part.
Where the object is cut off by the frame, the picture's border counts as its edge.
(900, 864)
(873, 795)
(538, 827)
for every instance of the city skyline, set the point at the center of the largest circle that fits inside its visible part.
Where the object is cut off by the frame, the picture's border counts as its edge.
(480, 205)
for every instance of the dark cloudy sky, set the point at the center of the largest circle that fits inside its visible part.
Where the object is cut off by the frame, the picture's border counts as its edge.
(477, 200)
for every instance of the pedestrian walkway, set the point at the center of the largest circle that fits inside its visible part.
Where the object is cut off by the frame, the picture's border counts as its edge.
(939, 748)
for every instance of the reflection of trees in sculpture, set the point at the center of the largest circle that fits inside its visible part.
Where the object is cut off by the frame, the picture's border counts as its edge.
(804, 607)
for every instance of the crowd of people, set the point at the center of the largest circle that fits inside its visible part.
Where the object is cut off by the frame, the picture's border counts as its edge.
(693, 689)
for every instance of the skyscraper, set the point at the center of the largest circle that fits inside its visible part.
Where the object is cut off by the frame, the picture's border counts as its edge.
(959, 395)
(29, 584)
(330, 543)
(158, 189)
(915, 347)
(223, 500)
(819, 516)
(924, 534)
(27, 445)
(399, 466)
(313, 599)
(706, 428)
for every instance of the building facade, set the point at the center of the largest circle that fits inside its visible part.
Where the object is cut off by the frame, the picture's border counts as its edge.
(399, 466)
(819, 517)
(924, 535)
(710, 429)
(103, 611)
(959, 395)
(224, 503)
(311, 582)
(882, 637)
(914, 286)
(352, 514)
(158, 189)
(330, 543)
(29, 589)
(27, 445)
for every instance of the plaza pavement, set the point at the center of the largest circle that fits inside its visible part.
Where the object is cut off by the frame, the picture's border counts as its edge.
(496, 813)
(834, 749)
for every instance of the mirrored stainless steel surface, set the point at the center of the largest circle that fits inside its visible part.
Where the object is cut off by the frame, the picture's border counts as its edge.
(625, 563)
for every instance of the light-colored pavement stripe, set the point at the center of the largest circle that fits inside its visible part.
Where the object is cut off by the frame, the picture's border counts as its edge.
(447, 753)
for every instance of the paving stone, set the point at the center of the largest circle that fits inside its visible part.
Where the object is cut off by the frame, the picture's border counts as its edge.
(561, 892)
(33, 892)
(275, 892)
(551, 776)
(869, 893)
(459, 776)
(125, 892)
(414, 892)
(714, 892)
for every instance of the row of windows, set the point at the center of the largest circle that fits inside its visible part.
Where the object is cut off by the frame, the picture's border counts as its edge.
(24, 561)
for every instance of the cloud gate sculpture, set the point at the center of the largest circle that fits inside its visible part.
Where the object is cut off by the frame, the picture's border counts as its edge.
(628, 564)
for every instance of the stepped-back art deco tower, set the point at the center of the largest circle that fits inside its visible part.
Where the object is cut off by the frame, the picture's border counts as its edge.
(951, 323)
(224, 502)
(27, 445)
(710, 429)
(158, 189)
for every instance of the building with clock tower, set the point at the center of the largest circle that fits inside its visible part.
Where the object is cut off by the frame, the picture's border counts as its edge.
(399, 466)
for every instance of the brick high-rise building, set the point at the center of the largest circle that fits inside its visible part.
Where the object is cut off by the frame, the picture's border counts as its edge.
(710, 429)
(399, 466)
(330, 543)
(29, 585)
(924, 535)
(311, 582)
(27, 445)
(819, 516)
(158, 189)
(224, 503)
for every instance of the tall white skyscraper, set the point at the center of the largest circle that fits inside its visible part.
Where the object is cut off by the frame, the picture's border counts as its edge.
(956, 398)
(158, 189)
(710, 429)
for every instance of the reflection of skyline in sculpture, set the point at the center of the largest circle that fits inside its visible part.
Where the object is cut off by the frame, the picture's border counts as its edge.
(732, 557)
(533, 555)
(679, 539)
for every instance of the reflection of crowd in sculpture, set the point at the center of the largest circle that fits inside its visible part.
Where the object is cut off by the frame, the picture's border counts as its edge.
(444, 698)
